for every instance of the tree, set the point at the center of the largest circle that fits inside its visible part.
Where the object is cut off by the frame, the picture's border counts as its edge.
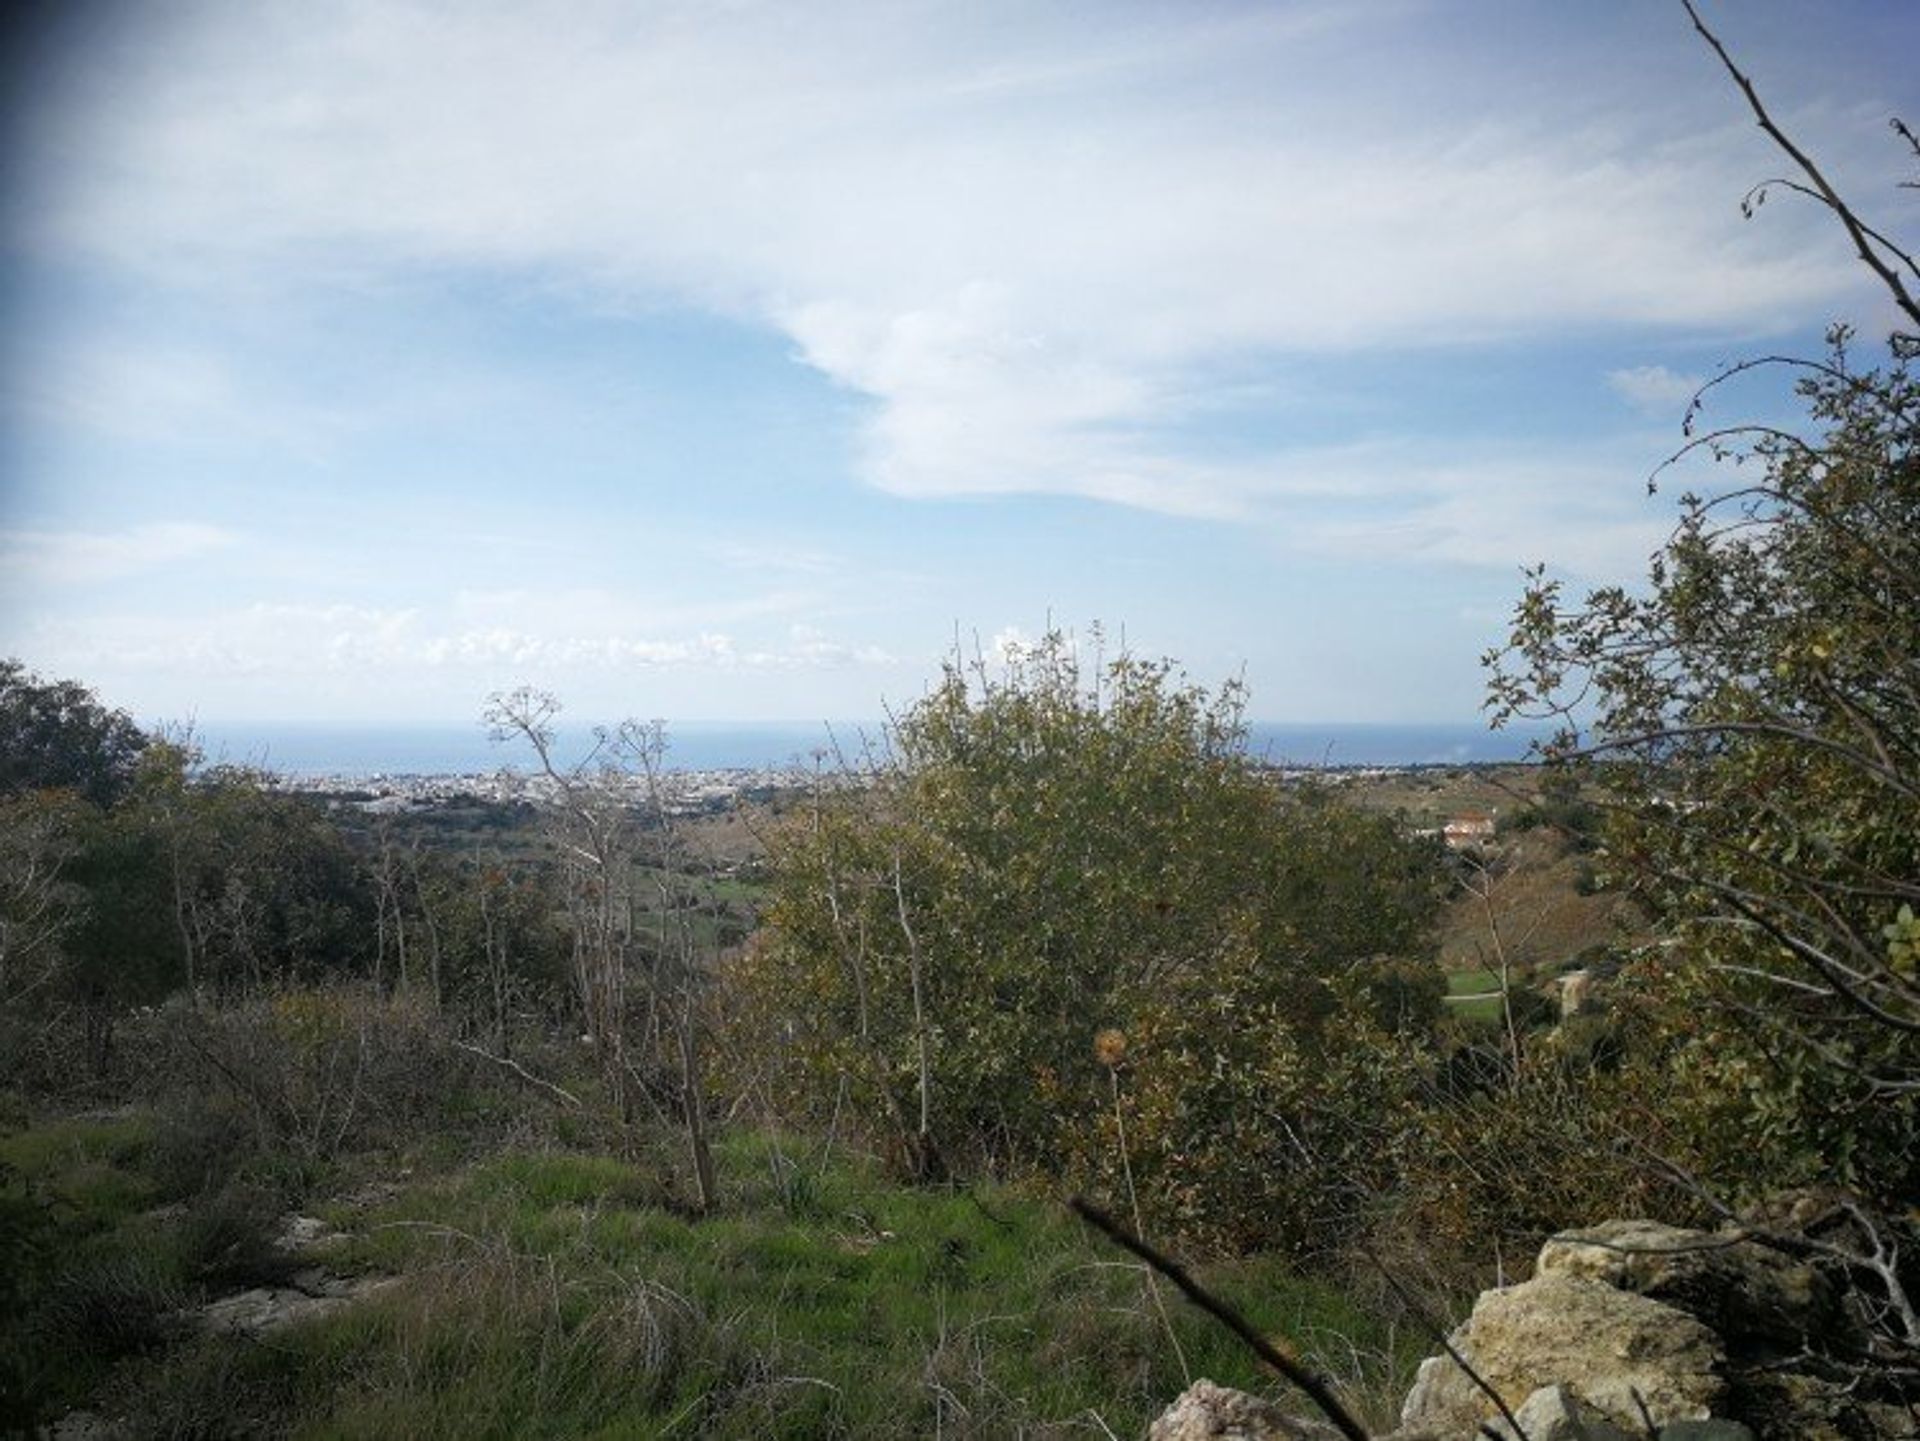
(596, 809)
(1753, 714)
(64, 761)
(40, 905)
(55, 735)
(1053, 848)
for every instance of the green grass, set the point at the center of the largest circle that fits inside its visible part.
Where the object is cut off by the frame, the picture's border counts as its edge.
(563, 1293)
(1483, 984)
(840, 1306)
(92, 1262)
(1484, 1009)
(1467, 983)
(58, 1151)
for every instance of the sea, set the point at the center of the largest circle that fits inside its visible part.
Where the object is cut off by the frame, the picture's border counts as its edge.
(351, 750)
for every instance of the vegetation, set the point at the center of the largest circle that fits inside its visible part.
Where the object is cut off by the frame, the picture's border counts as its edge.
(1059, 849)
(1752, 718)
(626, 1177)
(54, 735)
(551, 1285)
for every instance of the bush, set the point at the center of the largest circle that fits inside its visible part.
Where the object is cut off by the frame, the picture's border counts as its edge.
(309, 1074)
(1486, 1171)
(111, 1304)
(201, 1141)
(1058, 850)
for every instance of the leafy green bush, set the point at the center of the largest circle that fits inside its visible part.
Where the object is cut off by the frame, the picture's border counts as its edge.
(1061, 848)
(1755, 735)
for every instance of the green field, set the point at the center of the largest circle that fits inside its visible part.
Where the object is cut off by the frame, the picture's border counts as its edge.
(559, 1292)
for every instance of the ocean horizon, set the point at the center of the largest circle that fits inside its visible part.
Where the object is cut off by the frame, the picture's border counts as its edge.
(309, 749)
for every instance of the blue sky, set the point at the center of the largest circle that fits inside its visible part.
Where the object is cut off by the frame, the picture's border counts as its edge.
(728, 360)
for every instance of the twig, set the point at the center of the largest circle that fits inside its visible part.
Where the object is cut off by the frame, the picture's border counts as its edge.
(1646, 1416)
(1434, 1329)
(522, 1072)
(1139, 1226)
(1315, 1389)
(1856, 230)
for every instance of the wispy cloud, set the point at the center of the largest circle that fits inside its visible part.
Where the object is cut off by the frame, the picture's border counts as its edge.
(71, 557)
(276, 638)
(1021, 241)
(1655, 390)
(132, 387)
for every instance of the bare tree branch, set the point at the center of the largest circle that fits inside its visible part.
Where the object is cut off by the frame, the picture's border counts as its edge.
(1856, 230)
(1317, 1390)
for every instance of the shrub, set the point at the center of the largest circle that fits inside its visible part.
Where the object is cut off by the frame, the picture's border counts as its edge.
(311, 1073)
(1060, 848)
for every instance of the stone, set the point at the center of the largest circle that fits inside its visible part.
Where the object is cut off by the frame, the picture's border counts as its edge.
(1616, 1349)
(302, 1235)
(1576, 994)
(1207, 1412)
(1554, 1413)
(266, 1309)
(87, 1426)
(1807, 1407)
(1713, 1429)
(1756, 1297)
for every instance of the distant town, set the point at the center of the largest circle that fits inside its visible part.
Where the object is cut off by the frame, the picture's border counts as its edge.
(683, 792)
(693, 792)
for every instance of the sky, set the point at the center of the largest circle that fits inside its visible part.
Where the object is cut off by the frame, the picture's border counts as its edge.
(729, 360)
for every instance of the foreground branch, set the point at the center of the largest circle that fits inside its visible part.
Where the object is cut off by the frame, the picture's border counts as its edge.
(1857, 231)
(1316, 1389)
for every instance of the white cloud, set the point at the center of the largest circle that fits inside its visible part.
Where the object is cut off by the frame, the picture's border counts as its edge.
(295, 639)
(1009, 644)
(134, 388)
(562, 609)
(1022, 234)
(74, 557)
(1654, 390)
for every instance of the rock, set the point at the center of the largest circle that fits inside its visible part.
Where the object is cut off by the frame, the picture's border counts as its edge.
(301, 1235)
(1716, 1429)
(266, 1309)
(1554, 1413)
(1576, 993)
(1720, 1335)
(1755, 1296)
(86, 1426)
(1617, 1349)
(1805, 1407)
(1206, 1412)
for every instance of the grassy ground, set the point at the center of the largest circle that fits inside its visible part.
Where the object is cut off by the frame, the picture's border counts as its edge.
(559, 1293)
(1480, 1008)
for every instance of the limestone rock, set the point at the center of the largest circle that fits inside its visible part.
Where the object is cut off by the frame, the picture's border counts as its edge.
(306, 1235)
(1607, 1345)
(1554, 1413)
(1206, 1412)
(266, 1309)
(1717, 1429)
(1752, 1294)
(1807, 1407)
(87, 1426)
